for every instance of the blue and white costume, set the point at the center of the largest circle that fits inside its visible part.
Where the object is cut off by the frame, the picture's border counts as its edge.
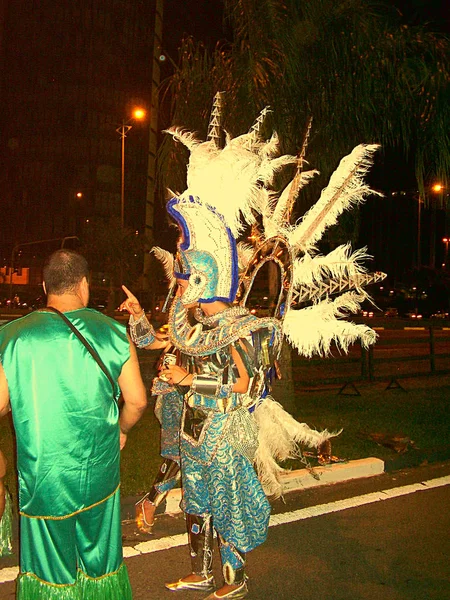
(223, 433)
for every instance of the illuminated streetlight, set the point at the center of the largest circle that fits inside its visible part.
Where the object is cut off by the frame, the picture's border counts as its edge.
(138, 114)
(446, 241)
(436, 202)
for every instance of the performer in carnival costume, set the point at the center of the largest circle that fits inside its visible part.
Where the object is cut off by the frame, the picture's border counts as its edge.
(168, 409)
(228, 358)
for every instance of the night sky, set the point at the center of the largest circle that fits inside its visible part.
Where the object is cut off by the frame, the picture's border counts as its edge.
(203, 19)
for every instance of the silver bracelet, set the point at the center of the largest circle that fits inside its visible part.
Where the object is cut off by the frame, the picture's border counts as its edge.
(205, 385)
(141, 331)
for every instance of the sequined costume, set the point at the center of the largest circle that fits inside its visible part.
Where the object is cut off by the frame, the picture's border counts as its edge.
(219, 436)
(168, 410)
(68, 454)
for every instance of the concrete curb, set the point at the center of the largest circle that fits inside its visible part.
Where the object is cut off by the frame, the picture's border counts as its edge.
(302, 479)
(317, 476)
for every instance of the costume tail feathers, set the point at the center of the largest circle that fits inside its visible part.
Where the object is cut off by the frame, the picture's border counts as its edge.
(280, 437)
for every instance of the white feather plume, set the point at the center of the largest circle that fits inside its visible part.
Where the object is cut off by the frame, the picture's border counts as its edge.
(245, 253)
(277, 222)
(269, 167)
(167, 260)
(266, 202)
(345, 190)
(280, 437)
(312, 330)
(271, 148)
(339, 263)
(187, 138)
(228, 180)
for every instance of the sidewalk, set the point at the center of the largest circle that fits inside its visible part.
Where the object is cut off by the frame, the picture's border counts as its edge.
(135, 542)
(302, 479)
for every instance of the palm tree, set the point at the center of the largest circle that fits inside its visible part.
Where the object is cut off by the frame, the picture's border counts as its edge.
(352, 66)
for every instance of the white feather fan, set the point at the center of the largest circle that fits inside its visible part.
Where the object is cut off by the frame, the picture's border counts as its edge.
(345, 190)
(312, 330)
(280, 437)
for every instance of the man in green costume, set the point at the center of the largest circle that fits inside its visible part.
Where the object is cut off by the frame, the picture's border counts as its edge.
(69, 436)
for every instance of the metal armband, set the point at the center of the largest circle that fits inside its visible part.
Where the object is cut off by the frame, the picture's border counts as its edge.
(206, 385)
(141, 331)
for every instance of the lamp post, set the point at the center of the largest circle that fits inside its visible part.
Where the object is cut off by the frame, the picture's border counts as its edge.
(446, 240)
(138, 115)
(438, 191)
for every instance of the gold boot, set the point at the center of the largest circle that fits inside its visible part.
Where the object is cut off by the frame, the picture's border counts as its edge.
(236, 594)
(145, 515)
(204, 585)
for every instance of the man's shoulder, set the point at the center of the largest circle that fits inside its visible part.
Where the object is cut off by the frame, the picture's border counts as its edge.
(18, 323)
(90, 314)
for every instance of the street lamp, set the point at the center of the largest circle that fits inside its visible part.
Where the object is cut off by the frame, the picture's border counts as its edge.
(438, 190)
(446, 240)
(137, 115)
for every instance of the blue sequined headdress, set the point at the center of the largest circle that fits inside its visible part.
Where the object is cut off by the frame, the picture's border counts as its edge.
(207, 252)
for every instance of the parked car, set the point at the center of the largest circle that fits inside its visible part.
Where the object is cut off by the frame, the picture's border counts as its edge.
(414, 315)
(440, 314)
(391, 312)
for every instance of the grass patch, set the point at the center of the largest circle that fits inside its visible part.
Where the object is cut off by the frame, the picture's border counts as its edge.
(421, 413)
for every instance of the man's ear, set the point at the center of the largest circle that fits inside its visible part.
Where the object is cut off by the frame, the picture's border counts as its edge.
(84, 288)
(44, 288)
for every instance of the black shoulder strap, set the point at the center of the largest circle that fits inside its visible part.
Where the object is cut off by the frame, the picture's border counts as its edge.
(84, 341)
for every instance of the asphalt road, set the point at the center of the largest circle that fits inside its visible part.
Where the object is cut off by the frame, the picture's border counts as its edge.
(381, 538)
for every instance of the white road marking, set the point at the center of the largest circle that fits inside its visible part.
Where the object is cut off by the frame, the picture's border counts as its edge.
(166, 543)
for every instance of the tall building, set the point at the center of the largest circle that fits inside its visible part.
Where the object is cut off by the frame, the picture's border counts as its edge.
(71, 74)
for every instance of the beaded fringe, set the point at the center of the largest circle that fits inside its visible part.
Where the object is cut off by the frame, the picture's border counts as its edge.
(6, 528)
(115, 586)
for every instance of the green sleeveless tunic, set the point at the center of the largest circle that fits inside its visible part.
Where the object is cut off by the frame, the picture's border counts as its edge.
(64, 413)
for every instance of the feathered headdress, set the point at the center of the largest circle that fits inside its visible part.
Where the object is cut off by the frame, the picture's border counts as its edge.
(316, 292)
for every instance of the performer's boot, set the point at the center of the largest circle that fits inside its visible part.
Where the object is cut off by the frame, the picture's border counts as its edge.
(200, 544)
(233, 568)
(165, 480)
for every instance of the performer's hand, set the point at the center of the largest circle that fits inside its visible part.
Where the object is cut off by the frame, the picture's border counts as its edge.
(131, 304)
(176, 374)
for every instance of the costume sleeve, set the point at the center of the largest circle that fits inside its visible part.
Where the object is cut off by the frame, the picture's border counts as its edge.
(141, 331)
(259, 353)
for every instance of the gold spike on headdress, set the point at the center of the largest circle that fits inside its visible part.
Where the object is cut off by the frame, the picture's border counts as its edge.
(215, 121)
(254, 134)
(297, 178)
